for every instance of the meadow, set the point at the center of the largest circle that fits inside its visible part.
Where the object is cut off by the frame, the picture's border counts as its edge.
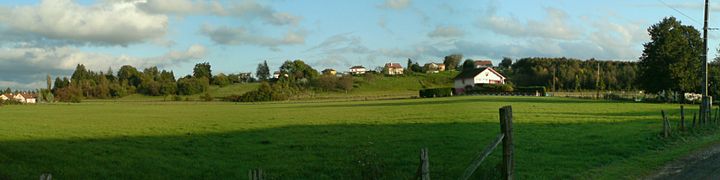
(555, 138)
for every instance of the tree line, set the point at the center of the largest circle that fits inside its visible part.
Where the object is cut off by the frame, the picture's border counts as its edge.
(129, 80)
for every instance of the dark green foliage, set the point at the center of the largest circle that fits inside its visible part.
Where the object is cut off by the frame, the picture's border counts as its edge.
(202, 70)
(129, 76)
(505, 63)
(192, 85)
(298, 72)
(263, 71)
(573, 74)
(468, 65)
(451, 62)
(207, 97)
(221, 80)
(531, 89)
(266, 92)
(671, 60)
(69, 94)
(436, 92)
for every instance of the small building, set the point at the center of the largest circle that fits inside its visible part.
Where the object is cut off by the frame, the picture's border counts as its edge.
(29, 98)
(393, 69)
(469, 78)
(355, 70)
(329, 72)
(276, 74)
(483, 63)
(434, 67)
(5, 97)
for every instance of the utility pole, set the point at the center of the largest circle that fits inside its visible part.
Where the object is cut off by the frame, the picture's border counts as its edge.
(705, 105)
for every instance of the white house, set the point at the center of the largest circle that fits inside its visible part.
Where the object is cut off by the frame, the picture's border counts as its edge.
(393, 69)
(5, 97)
(29, 98)
(357, 70)
(470, 78)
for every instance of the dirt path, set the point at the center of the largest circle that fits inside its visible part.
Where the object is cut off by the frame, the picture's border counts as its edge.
(704, 164)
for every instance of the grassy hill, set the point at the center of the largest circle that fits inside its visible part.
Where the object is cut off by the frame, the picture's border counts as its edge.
(366, 87)
(555, 138)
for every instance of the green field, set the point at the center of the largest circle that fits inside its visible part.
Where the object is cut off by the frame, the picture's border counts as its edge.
(555, 138)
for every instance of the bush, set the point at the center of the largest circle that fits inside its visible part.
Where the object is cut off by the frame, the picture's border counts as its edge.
(436, 92)
(207, 97)
(265, 92)
(532, 89)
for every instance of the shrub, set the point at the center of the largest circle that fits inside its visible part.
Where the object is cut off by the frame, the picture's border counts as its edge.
(532, 89)
(436, 92)
(207, 97)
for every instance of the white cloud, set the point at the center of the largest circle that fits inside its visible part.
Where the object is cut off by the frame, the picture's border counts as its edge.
(446, 32)
(248, 9)
(22, 66)
(119, 23)
(556, 26)
(241, 36)
(396, 4)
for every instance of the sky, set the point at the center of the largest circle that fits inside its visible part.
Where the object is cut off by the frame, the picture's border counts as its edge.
(50, 37)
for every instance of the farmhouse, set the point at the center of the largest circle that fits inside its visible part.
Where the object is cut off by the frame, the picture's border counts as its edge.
(357, 70)
(22, 97)
(470, 78)
(393, 69)
(5, 97)
(483, 63)
(329, 72)
(434, 67)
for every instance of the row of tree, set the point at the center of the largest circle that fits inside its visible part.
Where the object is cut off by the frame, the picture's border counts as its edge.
(129, 80)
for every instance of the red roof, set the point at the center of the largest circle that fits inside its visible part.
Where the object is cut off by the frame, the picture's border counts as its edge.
(28, 96)
(393, 65)
(486, 63)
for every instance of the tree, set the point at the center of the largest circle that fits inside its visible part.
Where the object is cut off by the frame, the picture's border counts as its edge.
(49, 82)
(345, 83)
(298, 71)
(671, 60)
(80, 73)
(409, 66)
(7, 91)
(505, 63)
(221, 80)
(468, 65)
(129, 76)
(263, 71)
(451, 62)
(202, 70)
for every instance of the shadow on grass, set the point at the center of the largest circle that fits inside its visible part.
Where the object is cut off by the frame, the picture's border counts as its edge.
(554, 151)
(460, 99)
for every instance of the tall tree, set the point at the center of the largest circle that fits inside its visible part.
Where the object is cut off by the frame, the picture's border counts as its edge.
(49, 81)
(468, 64)
(671, 60)
(505, 62)
(202, 70)
(263, 71)
(451, 62)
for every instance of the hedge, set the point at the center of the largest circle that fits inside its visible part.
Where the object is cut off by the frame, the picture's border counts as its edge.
(436, 92)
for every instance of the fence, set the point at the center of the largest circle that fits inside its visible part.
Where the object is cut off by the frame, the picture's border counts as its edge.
(667, 130)
(423, 171)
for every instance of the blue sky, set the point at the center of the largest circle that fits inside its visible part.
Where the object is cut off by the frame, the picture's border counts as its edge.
(52, 36)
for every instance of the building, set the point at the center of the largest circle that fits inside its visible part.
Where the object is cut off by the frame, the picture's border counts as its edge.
(276, 74)
(329, 72)
(483, 63)
(393, 69)
(355, 70)
(29, 98)
(5, 97)
(470, 78)
(434, 67)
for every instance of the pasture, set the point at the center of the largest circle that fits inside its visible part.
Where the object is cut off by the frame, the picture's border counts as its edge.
(555, 138)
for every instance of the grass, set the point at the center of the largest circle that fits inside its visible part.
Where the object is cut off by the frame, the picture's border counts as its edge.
(555, 138)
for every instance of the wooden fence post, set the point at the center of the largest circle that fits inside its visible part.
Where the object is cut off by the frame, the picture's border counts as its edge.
(694, 116)
(423, 172)
(665, 124)
(508, 165)
(255, 174)
(682, 118)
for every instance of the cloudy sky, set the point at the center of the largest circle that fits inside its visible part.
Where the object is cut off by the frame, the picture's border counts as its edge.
(53, 36)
